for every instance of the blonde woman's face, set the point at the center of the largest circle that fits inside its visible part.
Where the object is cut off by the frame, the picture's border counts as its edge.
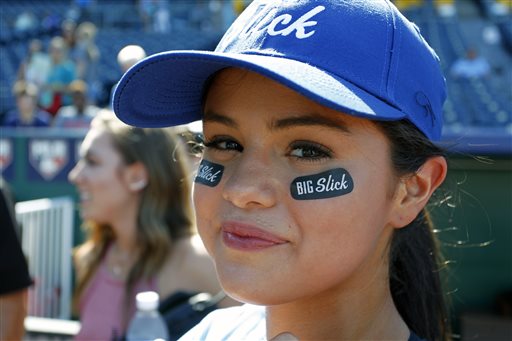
(269, 247)
(100, 179)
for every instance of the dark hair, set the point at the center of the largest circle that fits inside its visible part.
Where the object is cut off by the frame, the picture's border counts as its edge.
(415, 259)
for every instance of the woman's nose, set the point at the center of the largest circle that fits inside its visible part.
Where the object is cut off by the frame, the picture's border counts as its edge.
(250, 183)
(74, 175)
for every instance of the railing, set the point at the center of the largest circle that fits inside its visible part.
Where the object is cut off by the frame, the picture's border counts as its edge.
(47, 241)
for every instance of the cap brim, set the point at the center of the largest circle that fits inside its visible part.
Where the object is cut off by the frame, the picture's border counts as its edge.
(166, 89)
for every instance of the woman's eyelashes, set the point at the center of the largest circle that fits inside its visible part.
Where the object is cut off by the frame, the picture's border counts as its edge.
(223, 143)
(309, 151)
(299, 150)
(89, 160)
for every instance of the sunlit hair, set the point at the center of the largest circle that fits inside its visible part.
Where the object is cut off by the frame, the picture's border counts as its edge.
(165, 211)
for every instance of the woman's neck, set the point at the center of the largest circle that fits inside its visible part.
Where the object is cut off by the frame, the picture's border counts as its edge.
(359, 308)
(120, 259)
(27, 116)
(124, 251)
(124, 226)
(352, 317)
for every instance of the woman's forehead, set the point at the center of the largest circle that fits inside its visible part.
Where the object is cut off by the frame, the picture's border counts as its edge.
(239, 90)
(97, 141)
(237, 78)
(235, 92)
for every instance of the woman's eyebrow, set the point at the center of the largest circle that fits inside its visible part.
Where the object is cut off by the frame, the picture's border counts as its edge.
(87, 154)
(214, 117)
(310, 120)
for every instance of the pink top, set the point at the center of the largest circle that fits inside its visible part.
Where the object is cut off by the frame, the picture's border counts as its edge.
(101, 305)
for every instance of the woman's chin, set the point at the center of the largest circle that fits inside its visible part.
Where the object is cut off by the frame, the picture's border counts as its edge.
(252, 294)
(89, 217)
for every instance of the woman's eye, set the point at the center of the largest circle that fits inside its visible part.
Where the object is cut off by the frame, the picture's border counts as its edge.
(89, 158)
(224, 144)
(309, 150)
(90, 161)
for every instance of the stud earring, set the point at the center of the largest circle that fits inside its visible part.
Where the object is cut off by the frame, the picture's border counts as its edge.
(137, 186)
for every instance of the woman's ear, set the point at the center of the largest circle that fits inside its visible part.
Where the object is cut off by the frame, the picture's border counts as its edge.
(136, 176)
(414, 191)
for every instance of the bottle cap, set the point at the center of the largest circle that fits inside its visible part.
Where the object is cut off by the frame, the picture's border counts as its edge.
(147, 300)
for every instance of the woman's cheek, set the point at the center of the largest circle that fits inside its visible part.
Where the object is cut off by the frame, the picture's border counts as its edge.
(204, 202)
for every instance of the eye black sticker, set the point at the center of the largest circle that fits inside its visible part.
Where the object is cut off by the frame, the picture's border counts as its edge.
(209, 173)
(329, 184)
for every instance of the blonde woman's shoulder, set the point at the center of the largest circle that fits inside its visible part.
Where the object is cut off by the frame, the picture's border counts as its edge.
(80, 256)
(191, 252)
(198, 262)
(197, 247)
(192, 270)
(203, 267)
(189, 268)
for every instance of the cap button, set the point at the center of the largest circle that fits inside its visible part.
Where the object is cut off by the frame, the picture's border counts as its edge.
(422, 99)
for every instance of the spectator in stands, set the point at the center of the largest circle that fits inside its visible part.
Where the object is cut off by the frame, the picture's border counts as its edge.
(68, 33)
(135, 201)
(199, 15)
(320, 160)
(471, 65)
(129, 56)
(86, 56)
(80, 113)
(62, 73)
(126, 58)
(15, 278)
(162, 17)
(240, 5)
(228, 14)
(147, 9)
(84, 9)
(26, 114)
(36, 65)
(26, 23)
(51, 22)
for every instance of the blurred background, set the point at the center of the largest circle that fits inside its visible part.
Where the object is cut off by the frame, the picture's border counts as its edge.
(474, 208)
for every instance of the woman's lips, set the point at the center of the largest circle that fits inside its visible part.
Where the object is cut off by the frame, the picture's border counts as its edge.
(246, 237)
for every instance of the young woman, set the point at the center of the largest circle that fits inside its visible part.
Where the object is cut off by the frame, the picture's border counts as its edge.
(319, 119)
(135, 200)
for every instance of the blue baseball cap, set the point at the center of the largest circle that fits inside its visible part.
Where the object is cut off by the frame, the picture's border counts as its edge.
(360, 57)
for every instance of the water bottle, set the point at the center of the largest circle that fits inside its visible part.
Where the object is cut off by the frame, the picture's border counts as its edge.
(147, 324)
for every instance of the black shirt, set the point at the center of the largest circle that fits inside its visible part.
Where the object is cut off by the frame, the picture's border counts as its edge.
(14, 273)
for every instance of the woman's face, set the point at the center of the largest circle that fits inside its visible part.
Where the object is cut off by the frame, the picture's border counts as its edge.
(100, 177)
(268, 247)
(27, 105)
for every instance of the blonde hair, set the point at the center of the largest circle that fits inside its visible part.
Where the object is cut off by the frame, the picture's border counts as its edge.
(165, 211)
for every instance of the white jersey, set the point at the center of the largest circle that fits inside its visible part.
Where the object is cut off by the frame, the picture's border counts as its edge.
(246, 322)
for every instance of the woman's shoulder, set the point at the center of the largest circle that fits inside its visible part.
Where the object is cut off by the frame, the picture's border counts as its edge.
(189, 259)
(191, 251)
(246, 322)
(193, 257)
(201, 265)
(81, 255)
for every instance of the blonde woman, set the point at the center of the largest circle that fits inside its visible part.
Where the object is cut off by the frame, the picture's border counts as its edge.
(135, 200)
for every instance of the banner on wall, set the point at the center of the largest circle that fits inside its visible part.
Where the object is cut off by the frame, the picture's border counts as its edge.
(50, 159)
